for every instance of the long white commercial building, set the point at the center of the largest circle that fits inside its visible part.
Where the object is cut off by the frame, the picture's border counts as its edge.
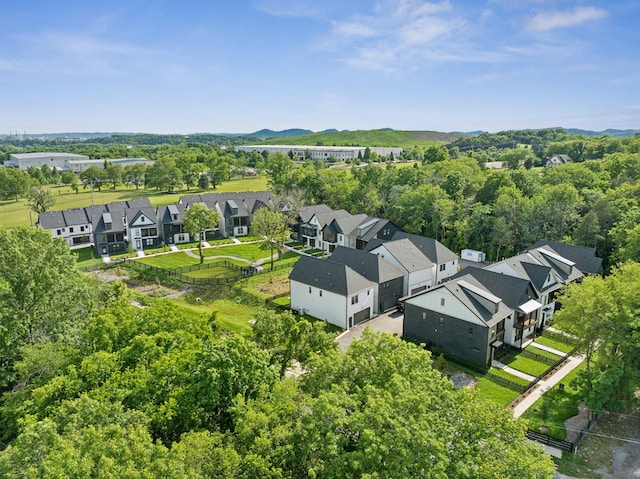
(340, 153)
(67, 161)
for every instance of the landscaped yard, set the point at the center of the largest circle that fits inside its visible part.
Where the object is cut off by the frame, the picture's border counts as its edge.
(250, 251)
(220, 271)
(526, 365)
(542, 352)
(549, 413)
(545, 340)
(86, 256)
(486, 387)
(169, 260)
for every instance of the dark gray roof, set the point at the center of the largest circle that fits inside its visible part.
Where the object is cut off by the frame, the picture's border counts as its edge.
(371, 266)
(513, 291)
(329, 276)
(346, 224)
(584, 257)
(132, 214)
(51, 219)
(166, 212)
(431, 248)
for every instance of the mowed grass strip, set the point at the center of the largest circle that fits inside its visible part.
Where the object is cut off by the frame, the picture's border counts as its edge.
(565, 347)
(249, 251)
(487, 388)
(527, 365)
(509, 377)
(86, 256)
(542, 352)
(169, 260)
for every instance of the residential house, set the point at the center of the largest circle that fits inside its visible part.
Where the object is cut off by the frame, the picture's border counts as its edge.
(331, 291)
(142, 228)
(72, 225)
(459, 318)
(425, 261)
(311, 222)
(387, 278)
(235, 209)
(584, 257)
(356, 231)
(170, 220)
(547, 270)
(557, 160)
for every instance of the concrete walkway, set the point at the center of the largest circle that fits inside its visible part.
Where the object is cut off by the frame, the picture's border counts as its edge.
(173, 248)
(545, 384)
(389, 322)
(236, 240)
(140, 254)
(548, 349)
(514, 372)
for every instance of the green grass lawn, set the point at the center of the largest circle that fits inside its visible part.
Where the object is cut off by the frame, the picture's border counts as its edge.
(565, 347)
(230, 315)
(527, 365)
(549, 413)
(542, 352)
(86, 256)
(170, 260)
(487, 388)
(213, 272)
(246, 239)
(18, 213)
(509, 377)
(249, 251)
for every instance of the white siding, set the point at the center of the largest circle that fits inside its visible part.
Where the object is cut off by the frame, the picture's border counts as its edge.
(432, 300)
(330, 307)
(450, 268)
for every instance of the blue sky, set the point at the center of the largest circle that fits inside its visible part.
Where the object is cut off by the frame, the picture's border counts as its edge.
(239, 66)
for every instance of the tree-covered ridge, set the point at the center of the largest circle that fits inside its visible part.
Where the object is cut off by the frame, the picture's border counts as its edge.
(383, 137)
(144, 390)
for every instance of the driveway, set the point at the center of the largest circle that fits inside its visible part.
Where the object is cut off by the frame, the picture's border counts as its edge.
(389, 322)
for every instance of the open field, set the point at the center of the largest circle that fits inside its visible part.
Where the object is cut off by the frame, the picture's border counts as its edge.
(18, 213)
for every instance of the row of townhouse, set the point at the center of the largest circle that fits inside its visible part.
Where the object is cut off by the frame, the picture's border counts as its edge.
(480, 311)
(321, 227)
(354, 285)
(113, 227)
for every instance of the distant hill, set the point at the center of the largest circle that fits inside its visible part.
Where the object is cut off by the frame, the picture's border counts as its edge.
(384, 137)
(266, 133)
(609, 132)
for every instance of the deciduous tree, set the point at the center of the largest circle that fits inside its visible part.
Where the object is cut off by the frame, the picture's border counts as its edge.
(197, 219)
(273, 227)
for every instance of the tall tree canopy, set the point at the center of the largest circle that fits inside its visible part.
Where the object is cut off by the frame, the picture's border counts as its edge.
(197, 219)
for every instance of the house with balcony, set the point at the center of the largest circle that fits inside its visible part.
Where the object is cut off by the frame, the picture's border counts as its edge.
(170, 219)
(473, 315)
(546, 270)
(235, 209)
(311, 222)
(142, 228)
(72, 225)
(356, 231)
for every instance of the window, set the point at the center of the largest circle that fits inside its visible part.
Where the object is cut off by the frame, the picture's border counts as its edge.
(368, 292)
(82, 228)
(470, 330)
(441, 301)
(71, 229)
(309, 289)
(354, 299)
(149, 242)
(142, 219)
(58, 232)
(441, 320)
(442, 267)
(424, 315)
(320, 292)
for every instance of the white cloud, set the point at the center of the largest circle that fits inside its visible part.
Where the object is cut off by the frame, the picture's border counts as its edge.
(546, 21)
(353, 29)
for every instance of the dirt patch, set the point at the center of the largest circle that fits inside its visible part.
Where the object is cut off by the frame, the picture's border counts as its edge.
(110, 275)
(575, 424)
(155, 290)
(462, 380)
(275, 287)
(625, 448)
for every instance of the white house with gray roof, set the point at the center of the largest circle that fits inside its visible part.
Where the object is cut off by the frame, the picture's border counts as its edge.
(331, 291)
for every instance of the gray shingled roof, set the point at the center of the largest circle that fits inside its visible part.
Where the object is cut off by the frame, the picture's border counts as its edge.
(481, 312)
(51, 219)
(307, 212)
(371, 266)
(408, 255)
(584, 257)
(329, 276)
(513, 291)
(432, 249)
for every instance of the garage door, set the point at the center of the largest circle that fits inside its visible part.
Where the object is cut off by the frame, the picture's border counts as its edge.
(362, 316)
